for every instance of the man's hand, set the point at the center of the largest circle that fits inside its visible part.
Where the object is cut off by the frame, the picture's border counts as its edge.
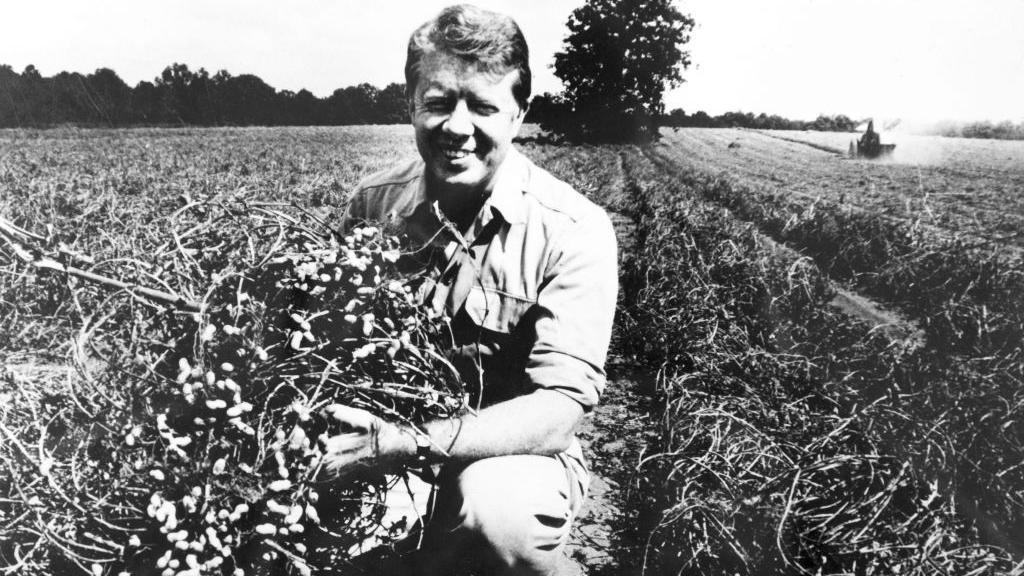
(366, 443)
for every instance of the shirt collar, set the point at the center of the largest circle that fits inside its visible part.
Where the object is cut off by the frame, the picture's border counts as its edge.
(507, 197)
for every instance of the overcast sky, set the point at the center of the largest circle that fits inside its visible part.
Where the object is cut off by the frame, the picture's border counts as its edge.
(911, 59)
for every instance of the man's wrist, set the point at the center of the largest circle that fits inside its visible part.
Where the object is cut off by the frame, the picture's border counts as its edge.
(423, 448)
(397, 445)
(402, 445)
(406, 446)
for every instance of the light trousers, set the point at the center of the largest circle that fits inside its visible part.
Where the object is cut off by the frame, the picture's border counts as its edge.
(507, 515)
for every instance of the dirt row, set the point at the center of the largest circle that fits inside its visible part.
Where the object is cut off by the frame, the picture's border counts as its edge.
(613, 437)
(615, 434)
(877, 315)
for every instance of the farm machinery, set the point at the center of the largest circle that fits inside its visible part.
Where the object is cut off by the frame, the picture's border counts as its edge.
(870, 144)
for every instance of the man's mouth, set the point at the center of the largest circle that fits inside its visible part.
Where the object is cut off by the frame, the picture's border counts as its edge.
(455, 153)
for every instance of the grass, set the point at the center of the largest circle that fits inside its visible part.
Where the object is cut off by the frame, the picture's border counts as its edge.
(967, 301)
(790, 438)
(794, 439)
(199, 428)
(115, 195)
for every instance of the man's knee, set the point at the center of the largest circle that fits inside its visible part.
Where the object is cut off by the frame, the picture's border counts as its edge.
(520, 506)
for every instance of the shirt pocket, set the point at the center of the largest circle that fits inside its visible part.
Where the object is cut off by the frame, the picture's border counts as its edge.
(494, 310)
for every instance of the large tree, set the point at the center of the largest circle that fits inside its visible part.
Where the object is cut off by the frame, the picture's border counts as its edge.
(619, 58)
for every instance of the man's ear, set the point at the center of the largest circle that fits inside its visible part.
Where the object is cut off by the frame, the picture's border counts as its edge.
(520, 117)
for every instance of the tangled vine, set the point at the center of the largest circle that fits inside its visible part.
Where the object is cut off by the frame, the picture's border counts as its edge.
(198, 450)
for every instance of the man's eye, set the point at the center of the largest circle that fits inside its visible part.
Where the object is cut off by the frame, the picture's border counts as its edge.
(484, 108)
(437, 104)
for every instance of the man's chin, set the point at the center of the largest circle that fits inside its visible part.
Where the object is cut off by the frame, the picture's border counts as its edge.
(453, 178)
(463, 187)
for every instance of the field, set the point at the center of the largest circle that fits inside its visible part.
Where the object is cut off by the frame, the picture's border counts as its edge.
(817, 364)
(968, 187)
(969, 155)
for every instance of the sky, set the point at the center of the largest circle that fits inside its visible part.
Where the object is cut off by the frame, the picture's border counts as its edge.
(923, 60)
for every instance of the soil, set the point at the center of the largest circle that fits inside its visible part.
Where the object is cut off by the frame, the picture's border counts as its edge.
(613, 436)
(603, 540)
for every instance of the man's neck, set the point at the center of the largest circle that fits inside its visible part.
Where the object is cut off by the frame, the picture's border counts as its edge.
(460, 206)
(461, 212)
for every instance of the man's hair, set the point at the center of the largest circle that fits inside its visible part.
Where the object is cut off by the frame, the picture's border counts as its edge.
(489, 40)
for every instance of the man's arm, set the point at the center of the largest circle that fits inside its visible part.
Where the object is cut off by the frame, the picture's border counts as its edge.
(576, 308)
(542, 422)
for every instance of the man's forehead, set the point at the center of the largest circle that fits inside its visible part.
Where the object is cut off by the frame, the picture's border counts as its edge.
(439, 69)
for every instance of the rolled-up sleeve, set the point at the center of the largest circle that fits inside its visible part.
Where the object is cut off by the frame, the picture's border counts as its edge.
(576, 308)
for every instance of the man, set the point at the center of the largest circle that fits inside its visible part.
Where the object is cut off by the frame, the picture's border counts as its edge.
(526, 269)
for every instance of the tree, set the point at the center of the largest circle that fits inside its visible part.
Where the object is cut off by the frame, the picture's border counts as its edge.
(109, 95)
(392, 106)
(252, 100)
(174, 83)
(619, 58)
(305, 109)
(675, 118)
(702, 120)
(147, 105)
(183, 96)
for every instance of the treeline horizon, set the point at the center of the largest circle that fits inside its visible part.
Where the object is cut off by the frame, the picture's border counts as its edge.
(183, 97)
(838, 123)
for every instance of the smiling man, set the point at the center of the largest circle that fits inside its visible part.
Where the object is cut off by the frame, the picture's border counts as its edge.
(526, 268)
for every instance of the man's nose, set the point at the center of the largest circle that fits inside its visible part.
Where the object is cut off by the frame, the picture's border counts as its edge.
(460, 121)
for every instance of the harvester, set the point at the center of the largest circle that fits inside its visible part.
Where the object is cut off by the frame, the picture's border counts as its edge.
(870, 144)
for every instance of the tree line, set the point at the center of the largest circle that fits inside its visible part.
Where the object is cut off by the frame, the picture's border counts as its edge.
(824, 123)
(180, 96)
(551, 107)
(1005, 130)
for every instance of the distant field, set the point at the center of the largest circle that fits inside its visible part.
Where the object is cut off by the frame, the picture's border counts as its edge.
(958, 153)
(958, 185)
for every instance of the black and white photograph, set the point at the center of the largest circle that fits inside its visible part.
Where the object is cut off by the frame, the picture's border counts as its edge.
(495, 288)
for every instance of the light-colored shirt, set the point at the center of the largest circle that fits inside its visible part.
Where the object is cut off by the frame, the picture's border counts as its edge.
(530, 286)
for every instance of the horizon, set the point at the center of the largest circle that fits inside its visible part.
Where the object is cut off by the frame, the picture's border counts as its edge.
(797, 59)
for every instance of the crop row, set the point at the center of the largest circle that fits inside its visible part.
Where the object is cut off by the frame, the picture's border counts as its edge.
(115, 196)
(793, 438)
(967, 297)
(957, 194)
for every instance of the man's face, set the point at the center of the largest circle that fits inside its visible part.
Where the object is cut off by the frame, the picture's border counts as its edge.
(465, 121)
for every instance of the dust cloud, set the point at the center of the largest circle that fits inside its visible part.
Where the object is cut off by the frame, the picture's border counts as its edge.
(914, 142)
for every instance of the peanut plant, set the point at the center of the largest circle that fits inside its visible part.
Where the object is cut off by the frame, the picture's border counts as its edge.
(196, 448)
